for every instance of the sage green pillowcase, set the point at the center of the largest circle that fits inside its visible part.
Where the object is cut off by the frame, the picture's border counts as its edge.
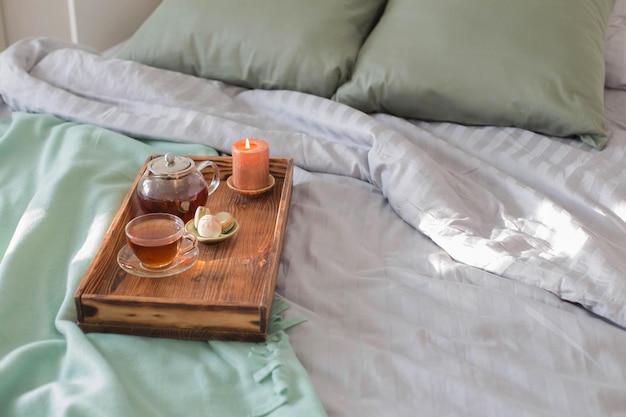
(302, 45)
(533, 64)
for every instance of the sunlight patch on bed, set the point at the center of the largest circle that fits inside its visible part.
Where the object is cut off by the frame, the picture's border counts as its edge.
(564, 235)
(620, 210)
(28, 222)
(97, 229)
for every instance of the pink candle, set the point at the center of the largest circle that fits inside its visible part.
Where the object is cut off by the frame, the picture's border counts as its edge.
(251, 164)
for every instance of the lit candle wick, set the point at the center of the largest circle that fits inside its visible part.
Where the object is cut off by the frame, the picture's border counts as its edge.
(250, 164)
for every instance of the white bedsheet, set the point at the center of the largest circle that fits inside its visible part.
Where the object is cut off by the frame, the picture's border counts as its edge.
(442, 268)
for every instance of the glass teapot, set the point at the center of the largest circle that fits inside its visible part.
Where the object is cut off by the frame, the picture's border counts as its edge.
(174, 184)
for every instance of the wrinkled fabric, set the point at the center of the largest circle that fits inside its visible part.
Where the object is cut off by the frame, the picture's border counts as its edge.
(443, 269)
(505, 226)
(61, 184)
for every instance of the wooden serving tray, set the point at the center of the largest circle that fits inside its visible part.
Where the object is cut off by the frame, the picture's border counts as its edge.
(226, 295)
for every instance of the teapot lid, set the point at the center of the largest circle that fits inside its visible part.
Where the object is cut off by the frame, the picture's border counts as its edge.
(170, 165)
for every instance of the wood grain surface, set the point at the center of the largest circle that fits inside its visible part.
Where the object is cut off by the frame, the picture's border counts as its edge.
(226, 295)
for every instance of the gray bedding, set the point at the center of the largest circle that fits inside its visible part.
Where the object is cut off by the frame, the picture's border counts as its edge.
(443, 269)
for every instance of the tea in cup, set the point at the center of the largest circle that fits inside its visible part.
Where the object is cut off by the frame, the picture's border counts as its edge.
(157, 239)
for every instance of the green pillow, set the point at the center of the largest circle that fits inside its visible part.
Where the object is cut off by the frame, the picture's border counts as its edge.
(533, 64)
(301, 45)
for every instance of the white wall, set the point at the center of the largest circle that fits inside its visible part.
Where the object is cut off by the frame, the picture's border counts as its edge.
(26, 18)
(3, 42)
(104, 23)
(97, 23)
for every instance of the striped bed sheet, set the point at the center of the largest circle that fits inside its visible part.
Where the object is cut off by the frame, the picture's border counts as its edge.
(443, 269)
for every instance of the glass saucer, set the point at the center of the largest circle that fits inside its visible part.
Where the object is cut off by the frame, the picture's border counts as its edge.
(129, 263)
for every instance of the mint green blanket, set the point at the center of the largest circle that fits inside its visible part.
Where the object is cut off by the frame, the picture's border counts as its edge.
(61, 184)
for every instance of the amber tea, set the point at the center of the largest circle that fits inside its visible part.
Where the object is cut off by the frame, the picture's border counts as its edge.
(155, 239)
(183, 208)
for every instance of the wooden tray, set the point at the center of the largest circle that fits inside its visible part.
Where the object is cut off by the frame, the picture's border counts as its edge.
(226, 295)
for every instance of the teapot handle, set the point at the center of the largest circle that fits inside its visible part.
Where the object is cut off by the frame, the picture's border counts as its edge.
(215, 181)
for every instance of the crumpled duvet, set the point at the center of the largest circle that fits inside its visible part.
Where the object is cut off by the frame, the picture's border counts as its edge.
(442, 268)
(500, 225)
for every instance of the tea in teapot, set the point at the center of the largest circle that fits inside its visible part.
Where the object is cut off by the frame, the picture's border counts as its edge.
(174, 184)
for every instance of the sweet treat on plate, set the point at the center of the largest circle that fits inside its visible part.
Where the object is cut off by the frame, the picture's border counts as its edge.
(209, 226)
(200, 211)
(226, 220)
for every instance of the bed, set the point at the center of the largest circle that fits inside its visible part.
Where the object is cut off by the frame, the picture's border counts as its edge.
(456, 233)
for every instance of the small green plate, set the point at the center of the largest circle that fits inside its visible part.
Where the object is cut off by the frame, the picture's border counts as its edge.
(212, 240)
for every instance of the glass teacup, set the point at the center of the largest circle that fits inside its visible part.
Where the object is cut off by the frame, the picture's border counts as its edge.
(157, 239)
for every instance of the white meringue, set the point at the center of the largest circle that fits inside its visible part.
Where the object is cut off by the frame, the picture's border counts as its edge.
(209, 226)
(200, 211)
